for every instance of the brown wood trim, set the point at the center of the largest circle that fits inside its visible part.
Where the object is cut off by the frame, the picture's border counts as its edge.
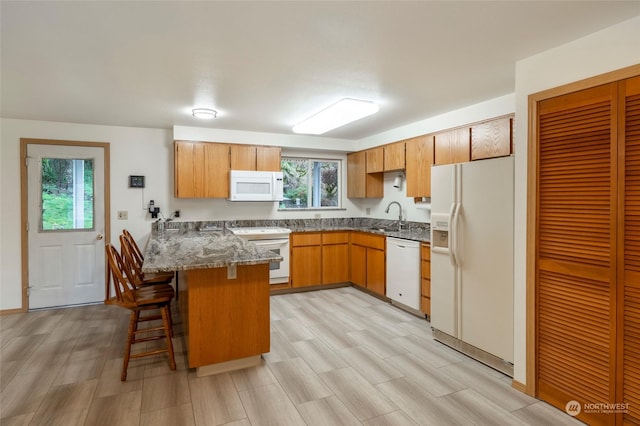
(610, 77)
(532, 237)
(11, 311)
(532, 194)
(24, 142)
(519, 386)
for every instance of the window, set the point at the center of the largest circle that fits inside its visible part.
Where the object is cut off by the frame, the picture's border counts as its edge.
(67, 194)
(311, 183)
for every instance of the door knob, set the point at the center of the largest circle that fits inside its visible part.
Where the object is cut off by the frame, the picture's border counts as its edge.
(99, 237)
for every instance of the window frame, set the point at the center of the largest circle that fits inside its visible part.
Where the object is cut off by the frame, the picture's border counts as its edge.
(310, 178)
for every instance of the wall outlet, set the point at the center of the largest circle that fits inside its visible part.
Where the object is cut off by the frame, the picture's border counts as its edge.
(317, 215)
(123, 215)
(368, 210)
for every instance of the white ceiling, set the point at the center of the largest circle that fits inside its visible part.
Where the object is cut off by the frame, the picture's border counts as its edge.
(267, 65)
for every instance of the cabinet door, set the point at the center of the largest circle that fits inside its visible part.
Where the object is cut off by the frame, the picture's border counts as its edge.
(216, 170)
(188, 169)
(306, 266)
(356, 175)
(376, 271)
(452, 146)
(394, 156)
(335, 263)
(361, 184)
(201, 170)
(268, 158)
(491, 139)
(418, 166)
(375, 160)
(243, 157)
(359, 265)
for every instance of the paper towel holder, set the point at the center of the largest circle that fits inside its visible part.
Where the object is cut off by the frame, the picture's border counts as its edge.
(397, 182)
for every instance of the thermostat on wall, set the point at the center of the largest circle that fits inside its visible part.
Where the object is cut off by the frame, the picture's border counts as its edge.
(136, 181)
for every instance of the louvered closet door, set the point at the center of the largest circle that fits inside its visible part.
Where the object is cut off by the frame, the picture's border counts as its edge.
(629, 302)
(576, 262)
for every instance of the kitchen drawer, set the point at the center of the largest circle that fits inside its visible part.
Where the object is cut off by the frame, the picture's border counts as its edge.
(306, 239)
(426, 288)
(368, 240)
(335, 238)
(425, 252)
(426, 270)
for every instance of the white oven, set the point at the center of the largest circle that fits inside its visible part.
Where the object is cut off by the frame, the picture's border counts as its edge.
(274, 239)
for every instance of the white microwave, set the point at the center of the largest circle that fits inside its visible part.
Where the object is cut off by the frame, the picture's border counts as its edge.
(255, 186)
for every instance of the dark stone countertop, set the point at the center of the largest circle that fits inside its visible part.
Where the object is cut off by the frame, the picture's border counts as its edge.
(176, 249)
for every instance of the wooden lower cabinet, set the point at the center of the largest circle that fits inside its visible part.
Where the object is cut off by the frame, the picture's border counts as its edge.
(368, 261)
(376, 271)
(319, 258)
(359, 265)
(335, 257)
(306, 265)
(425, 301)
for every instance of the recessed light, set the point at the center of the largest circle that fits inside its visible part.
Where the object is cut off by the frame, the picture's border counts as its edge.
(344, 111)
(204, 113)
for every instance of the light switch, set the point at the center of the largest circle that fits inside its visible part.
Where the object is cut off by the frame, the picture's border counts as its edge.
(123, 215)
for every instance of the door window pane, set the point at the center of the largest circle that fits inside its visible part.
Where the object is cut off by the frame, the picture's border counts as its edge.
(67, 194)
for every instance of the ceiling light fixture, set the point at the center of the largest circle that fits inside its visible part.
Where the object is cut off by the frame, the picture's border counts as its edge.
(344, 111)
(204, 113)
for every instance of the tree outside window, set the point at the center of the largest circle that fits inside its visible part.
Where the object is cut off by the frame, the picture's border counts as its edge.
(310, 183)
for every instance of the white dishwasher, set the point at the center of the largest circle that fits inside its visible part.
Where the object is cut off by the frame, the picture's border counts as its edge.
(403, 271)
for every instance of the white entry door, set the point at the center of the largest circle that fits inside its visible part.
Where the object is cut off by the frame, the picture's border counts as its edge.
(65, 225)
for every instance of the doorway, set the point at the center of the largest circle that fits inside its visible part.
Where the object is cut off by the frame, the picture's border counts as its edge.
(66, 222)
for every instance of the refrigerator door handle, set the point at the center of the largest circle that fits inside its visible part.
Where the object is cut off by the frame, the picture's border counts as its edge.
(451, 242)
(453, 234)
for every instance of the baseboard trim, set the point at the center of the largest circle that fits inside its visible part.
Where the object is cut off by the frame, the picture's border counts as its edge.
(12, 311)
(519, 386)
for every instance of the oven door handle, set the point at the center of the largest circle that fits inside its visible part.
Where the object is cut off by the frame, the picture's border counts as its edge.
(270, 243)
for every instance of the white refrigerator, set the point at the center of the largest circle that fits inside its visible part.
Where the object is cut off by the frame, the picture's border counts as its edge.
(472, 256)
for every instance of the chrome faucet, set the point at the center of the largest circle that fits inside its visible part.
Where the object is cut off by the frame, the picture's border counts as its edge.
(399, 215)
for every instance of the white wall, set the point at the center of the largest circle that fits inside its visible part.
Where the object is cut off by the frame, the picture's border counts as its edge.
(613, 48)
(134, 151)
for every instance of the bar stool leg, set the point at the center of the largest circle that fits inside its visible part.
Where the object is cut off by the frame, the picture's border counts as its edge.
(168, 333)
(133, 325)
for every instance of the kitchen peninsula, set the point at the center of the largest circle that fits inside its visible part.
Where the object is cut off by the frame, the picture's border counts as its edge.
(223, 293)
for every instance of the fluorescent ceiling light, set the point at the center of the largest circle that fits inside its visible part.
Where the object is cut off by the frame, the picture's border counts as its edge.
(204, 113)
(342, 112)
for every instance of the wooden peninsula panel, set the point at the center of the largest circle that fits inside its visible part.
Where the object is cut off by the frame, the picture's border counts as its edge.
(225, 319)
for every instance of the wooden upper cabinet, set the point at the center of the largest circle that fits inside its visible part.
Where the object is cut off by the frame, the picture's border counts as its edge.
(394, 156)
(452, 146)
(201, 170)
(268, 158)
(491, 139)
(243, 157)
(360, 184)
(375, 160)
(251, 157)
(356, 174)
(418, 166)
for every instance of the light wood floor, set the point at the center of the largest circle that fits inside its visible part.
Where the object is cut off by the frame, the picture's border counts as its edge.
(338, 357)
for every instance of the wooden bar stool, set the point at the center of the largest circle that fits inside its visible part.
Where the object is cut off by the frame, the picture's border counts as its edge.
(133, 256)
(139, 300)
